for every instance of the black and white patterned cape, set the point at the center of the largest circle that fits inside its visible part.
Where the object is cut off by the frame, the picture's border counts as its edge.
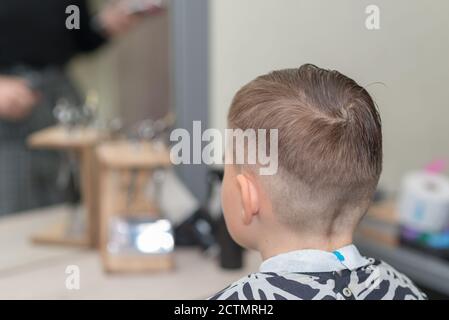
(341, 275)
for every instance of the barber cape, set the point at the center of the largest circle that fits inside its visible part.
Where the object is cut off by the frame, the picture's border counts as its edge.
(319, 275)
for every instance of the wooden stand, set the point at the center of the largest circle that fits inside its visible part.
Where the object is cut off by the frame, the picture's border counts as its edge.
(122, 163)
(82, 142)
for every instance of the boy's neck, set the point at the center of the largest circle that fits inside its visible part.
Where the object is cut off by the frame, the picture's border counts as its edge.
(287, 242)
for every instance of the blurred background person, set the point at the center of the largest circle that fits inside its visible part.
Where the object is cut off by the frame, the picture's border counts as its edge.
(35, 47)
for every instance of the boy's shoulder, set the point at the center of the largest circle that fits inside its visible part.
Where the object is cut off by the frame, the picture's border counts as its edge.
(270, 286)
(375, 281)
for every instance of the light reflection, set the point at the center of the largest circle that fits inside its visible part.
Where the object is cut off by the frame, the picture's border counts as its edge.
(141, 236)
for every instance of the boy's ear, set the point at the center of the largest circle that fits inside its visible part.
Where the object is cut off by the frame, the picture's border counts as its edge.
(250, 198)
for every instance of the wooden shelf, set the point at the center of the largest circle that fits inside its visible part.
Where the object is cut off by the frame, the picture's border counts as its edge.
(123, 164)
(57, 234)
(132, 155)
(150, 263)
(81, 141)
(58, 137)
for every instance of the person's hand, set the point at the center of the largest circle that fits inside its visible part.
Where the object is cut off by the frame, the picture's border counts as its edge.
(16, 99)
(120, 16)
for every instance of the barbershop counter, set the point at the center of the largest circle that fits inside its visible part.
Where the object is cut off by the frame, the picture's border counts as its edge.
(30, 271)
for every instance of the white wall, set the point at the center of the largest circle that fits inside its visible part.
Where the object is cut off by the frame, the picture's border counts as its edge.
(409, 54)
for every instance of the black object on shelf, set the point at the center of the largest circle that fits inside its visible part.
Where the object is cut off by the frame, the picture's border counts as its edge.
(231, 254)
(206, 227)
(197, 230)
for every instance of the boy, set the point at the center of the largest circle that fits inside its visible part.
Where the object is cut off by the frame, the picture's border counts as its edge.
(302, 218)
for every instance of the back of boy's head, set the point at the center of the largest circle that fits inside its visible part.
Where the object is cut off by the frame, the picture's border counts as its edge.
(329, 146)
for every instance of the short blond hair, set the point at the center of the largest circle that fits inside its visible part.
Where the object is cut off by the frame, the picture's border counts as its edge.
(330, 143)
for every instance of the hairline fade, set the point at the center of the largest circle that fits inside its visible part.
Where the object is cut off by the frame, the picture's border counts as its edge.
(330, 141)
